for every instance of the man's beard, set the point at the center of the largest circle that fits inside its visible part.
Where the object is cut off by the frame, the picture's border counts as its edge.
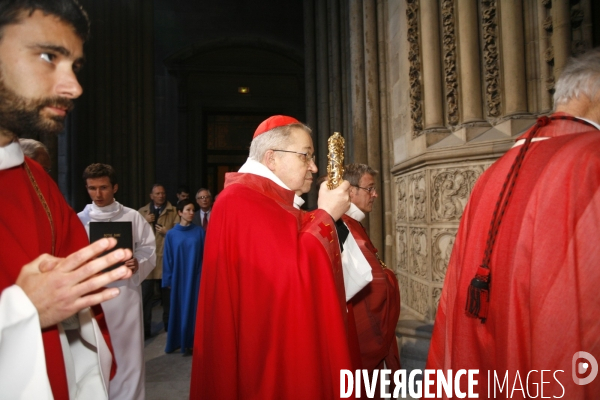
(22, 117)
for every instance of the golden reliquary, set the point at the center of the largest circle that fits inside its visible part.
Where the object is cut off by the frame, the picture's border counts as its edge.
(335, 164)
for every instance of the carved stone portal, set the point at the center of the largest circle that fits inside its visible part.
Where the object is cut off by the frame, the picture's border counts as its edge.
(436, 294)
(442, 242)
(401, 249)
(491, 61)
(401, 216)
(417, 197)
(450, 191)
(419, 265)
(431, 201)
(419, 297)
(414, 73)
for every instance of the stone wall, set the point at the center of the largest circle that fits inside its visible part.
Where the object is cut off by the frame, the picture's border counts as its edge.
(464, 79)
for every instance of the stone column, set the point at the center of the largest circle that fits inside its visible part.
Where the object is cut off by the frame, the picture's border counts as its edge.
(513, 57)
(561, 34)
(322, 84)
(372, 112)
(385, 195)
(335, 75)
(470, 74)
(545, 103)
(357, 79)
(310, 63)
(432, 65)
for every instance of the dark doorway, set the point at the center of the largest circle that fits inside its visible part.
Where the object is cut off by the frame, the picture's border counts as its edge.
(228, 137)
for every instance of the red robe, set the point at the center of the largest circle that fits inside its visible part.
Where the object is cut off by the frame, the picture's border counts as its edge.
(270, 323)
(376, 308)
(545, 277)
(25, 234)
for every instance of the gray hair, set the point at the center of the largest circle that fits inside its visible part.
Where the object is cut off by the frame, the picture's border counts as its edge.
(203, 190)
(353, 172)
(276, 138)
(30, 146)
(581, 76)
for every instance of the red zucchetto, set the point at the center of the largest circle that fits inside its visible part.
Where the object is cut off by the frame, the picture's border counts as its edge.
(274, 122)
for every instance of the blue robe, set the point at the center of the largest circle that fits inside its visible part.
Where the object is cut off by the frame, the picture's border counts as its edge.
(182, 264)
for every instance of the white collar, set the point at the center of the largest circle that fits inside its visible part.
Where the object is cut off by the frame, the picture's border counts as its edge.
(538, 139)
(591, 122)
(105, 213)
(11, 156)
(298, 201)
(254, 167)
(355, 213)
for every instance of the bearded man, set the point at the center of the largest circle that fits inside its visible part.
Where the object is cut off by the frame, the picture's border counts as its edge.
(51, 346)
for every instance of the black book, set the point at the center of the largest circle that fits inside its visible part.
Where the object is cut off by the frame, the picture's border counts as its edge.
(122, 231)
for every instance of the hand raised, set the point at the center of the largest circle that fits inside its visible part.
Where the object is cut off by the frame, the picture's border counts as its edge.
(337, 201)
(60, 287)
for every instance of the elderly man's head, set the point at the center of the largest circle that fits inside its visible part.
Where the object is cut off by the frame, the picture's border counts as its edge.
(362, 180)
(37, 151)
(578, 88)
(204, 199)
(285, 146)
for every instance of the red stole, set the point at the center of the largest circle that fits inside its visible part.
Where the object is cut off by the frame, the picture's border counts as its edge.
(25, 230)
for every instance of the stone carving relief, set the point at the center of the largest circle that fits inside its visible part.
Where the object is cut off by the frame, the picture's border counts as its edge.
(550, 82)
(419, 265)
(450, 191)
(548, 23)
(549, 55)
(490, 57)
(433, 199)
(547, 3)
(449, 45)
(401, 201)
(436, 294)
(414, 73)
(417, 197)
(404, 292)
(576, 18)
(581, 37)
(442, 242)
(401, 249)
(419, 297)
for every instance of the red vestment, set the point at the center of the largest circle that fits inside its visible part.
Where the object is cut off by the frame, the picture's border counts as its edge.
(544, 293)
(376, 308)
(25, 233)
(270, 323)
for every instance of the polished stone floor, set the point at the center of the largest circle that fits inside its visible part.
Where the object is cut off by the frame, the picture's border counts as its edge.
(167, 375)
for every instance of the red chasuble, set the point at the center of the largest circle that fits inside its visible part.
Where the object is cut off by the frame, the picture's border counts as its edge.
(270, 323)
(545, 272)
(376, 308)
(25, 233)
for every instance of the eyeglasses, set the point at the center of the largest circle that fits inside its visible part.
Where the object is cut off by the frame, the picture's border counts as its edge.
(202, 197)
(305, 157)
(371, 189)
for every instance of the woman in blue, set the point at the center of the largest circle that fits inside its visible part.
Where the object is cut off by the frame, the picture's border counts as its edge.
(182, 264)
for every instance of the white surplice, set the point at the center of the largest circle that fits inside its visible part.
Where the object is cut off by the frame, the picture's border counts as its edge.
(124, 313)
